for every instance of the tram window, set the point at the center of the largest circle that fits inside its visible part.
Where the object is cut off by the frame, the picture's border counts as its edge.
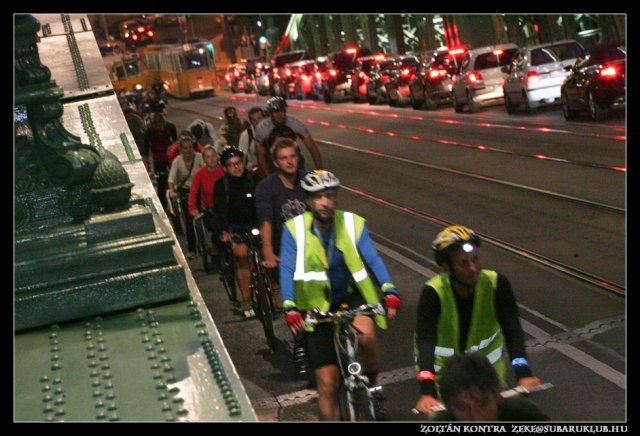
(194, 60)
(119, 71)
(132, 67)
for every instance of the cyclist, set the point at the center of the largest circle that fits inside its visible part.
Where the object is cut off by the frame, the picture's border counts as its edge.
(465, 308)
(157, 139)
(280, 197)
(247, 141)
(235, 212)
(325, 257)
(202, 186)
(231, 128)
(470, 389)
(277, 107)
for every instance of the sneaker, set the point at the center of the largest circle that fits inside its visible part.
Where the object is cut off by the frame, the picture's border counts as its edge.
(249, 313)
(299, 357)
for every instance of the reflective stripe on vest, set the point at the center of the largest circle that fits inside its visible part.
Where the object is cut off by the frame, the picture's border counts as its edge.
(300, 273)
(485, 334)
(350, 225)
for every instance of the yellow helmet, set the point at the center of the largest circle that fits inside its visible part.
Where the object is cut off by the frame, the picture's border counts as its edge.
(451, 238)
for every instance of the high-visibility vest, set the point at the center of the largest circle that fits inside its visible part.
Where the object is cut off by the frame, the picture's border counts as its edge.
(311, 283)
(485, 334)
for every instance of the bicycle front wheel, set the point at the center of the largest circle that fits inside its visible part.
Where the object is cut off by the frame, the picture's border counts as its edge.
(356, 405)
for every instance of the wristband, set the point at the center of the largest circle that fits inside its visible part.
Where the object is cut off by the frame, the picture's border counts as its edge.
(519, 361)
(426, 375)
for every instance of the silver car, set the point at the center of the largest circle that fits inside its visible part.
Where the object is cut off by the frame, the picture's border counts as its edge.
(480, 77)
(536, 74)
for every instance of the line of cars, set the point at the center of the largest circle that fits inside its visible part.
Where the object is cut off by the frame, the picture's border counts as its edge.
(558, 73)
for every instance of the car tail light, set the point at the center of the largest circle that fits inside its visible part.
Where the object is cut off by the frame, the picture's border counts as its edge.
(318, 76)
(474, 77)
(287, 72)
(305, 77)
(405, 72)
(140, 29)
(333, 72)
(134, 37)
(532, 77)
(609, 72)
(227, 77)
(456, 51)
(236, 73)
(150, 33)
(434, 74)
(258, 66)
(350, 50)
(498, 52)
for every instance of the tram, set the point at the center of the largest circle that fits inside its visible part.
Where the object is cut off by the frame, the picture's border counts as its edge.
(187, 69)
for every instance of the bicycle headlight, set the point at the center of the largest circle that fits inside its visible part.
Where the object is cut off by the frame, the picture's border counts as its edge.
(354, 368)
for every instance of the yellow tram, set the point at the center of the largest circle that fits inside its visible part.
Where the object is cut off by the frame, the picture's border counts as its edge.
(186, 69)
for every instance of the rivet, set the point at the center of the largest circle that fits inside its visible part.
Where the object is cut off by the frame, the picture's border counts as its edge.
(90, 346)
(162, 396)
(171, 378)
(144, 332)
(174, 390)
(149, 347)
(178, 400)
(200, 324)
(165, 359)
(93, 364)
(55, 348)
(161, 350)
(146, 339)
(101, 415)
(91, 354)
(159, 341)
(44, 378)
(103, 356)
(47, 398)
(55, 342)
(99, 404)
(170, 417)
(166, 406)
(53, 335)
(58, 390)
(182, 411)
(110, 395)
(60, 411)
(113, 417)
(166, 367)
(57, 381)
(48, 408)
(101, 347)
(46, 388)
(202, 333)
(94, 373)
(107, 375)
(152, 356)
(157, 375)
(161, 385)
(105, 366)
(55, 357)
(100, 340)
(59, 401)
(112, 406)
(97, 393)
(56, 366)
(234, 411)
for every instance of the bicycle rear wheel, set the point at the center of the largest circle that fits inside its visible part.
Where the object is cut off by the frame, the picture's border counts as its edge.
(265, 308)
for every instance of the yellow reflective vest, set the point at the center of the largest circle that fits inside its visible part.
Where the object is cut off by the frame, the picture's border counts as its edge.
(311, 283)
(485, 334)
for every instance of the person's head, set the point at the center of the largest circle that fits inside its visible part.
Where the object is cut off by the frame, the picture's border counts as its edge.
(469, 387)
(456, 251)
(279, 131)
(197, 131)
(186, 134)
(321, 193)
(255, 114)
(210, 157)
(230, 113)
(187, 146)
(157, 119)
(277, 107)
(285, 155)
(233, 161)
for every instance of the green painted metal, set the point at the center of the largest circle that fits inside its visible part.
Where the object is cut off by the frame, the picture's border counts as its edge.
(154, 364)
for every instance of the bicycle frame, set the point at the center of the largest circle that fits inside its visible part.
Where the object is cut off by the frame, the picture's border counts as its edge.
(357, 393)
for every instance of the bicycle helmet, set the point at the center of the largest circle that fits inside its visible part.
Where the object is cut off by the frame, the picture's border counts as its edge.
(319, 180)
(276, 104)
(230, 152)
(452, 238)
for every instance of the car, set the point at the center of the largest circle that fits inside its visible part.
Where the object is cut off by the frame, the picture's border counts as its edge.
(305, 80)
(277, 63)
(480, 77)
(597, 83)
(236, 77)
(136, 33)
(360, 78)
(536, 74)
(402, 73)
(379, 77)
(256, 76)
(431, 85)
(336, 83)
(163, 19)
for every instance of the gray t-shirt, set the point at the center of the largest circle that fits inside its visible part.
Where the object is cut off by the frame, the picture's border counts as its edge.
(266, 126)
(276, 204)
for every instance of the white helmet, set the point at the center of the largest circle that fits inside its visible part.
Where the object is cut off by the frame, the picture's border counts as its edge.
(319, 180)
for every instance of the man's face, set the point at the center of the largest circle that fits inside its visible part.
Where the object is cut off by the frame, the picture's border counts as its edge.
(255, 118)
(279, 117)
(323, 204)
(234, 166)
(465, 265)
(287, 160)
(475, 405)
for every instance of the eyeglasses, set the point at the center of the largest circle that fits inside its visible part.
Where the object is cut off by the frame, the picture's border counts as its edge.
(235, 164)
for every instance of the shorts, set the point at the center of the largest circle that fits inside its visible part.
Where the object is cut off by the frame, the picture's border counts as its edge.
(319, 344)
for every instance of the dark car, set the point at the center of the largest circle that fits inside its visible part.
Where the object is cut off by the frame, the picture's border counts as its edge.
(431, 86)
(379, 78)
(304, 81)
(402, 74)
(276, 73)
(337, 81)
(360, 78)
(597, 84)
(137, 33)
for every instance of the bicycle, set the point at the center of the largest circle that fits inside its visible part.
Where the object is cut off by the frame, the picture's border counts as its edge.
(204, 244)
(261, 288)
(357, 396)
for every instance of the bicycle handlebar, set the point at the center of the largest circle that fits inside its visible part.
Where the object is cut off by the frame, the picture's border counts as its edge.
(316, 316)
(514, 392)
